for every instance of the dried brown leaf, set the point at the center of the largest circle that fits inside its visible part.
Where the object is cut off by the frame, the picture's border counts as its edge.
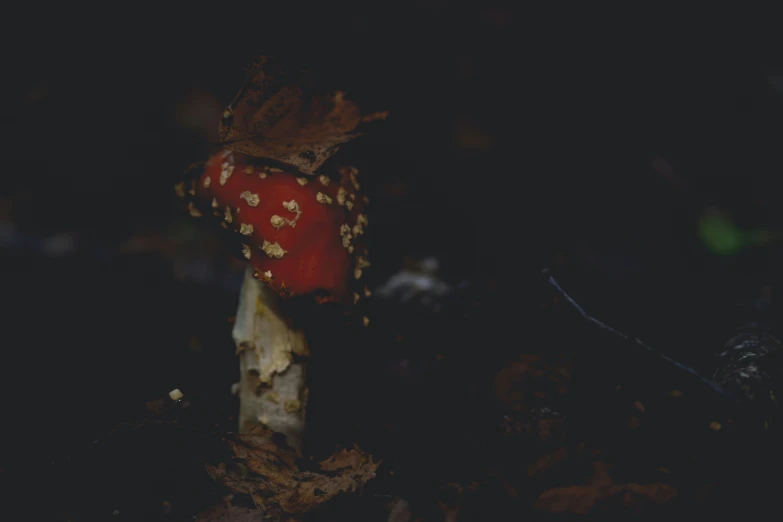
(533, 378)
(228, 513)
(342, 459)
(280, 482)
(602, 493)
(279, 116)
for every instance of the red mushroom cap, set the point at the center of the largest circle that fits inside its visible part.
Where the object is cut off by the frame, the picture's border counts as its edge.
(303, 235)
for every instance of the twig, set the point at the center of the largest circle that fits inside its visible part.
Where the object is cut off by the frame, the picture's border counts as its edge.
(715, 387)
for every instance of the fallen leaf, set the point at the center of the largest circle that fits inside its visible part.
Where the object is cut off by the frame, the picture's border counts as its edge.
(532, 379)
(342, 459)
(602, 492)
(228, 513)
(280, 116)
(547, 461)
(280, 482)
(399, 511)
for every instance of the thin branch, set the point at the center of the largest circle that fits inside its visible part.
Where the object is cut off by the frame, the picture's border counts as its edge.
(715, 387)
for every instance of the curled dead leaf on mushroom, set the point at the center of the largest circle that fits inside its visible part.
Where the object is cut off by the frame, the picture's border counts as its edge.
(281, 483)
(277, 115)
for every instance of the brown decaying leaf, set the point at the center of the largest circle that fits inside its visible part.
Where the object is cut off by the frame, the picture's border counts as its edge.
(601, 493)
(533, 377)
(228, 513)
(280, 482)
(279, 116)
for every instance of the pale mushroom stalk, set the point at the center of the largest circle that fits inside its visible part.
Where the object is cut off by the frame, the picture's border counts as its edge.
(272, 363)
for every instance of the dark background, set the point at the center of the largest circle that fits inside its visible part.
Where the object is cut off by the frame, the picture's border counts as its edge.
(516, 140)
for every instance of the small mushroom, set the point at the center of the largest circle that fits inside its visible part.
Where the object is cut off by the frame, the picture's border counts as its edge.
(298, 244)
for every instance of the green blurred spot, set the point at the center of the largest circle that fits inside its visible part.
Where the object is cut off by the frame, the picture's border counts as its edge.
(720, 235)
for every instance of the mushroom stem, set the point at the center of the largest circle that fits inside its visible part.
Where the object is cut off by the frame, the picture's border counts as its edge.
(272, 364)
